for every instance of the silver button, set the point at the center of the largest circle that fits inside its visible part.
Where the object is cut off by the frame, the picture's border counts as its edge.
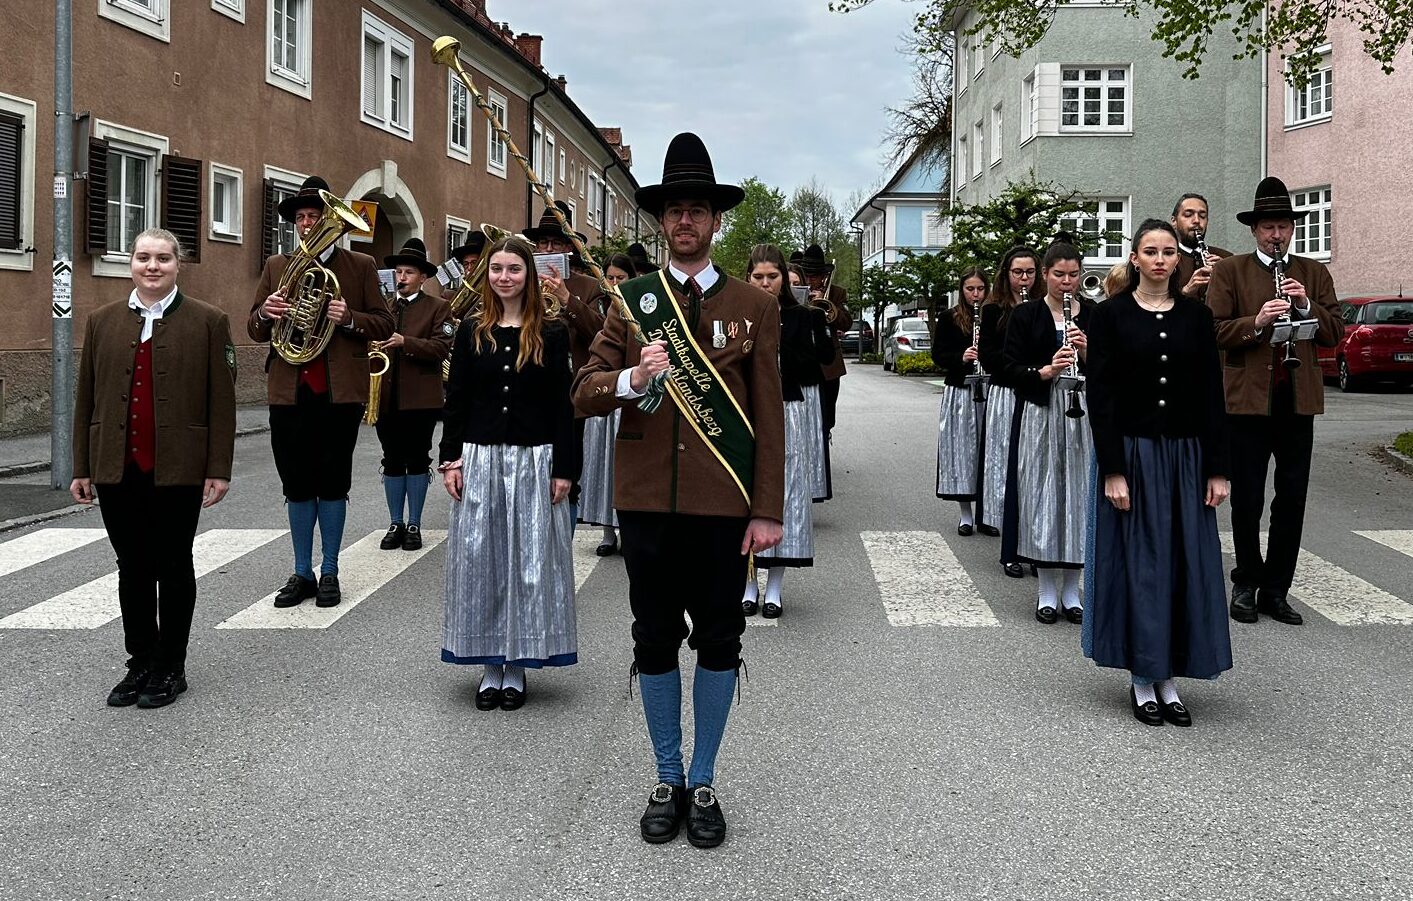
(505, 368)
(505, 349)
(1163, 358)
(1162, 403)
(1162, 334)
(1162, 380)
(505, 409)
(505, 389)
(681, 447)
(1160, 315)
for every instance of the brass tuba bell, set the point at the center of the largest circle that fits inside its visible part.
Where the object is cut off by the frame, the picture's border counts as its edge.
(304, 331)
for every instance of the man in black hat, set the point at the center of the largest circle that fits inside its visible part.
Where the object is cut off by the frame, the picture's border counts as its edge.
(411, 400)
(699, 481)
(817, 272)
(1271, 404)
(316, 407)
(638, 254)
(469, 254)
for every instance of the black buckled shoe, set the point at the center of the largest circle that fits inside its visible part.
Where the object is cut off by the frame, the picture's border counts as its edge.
(1278, 608)
(1176, 714)
(667, 808)
(749, 608)
(512, 698)
(1074, 614)
(1014, 570)
(964, 529)
(770, 611)
(1046, 615)
(488, 699)
(607, 548)
(989, 531)
(297, 590)
(1243, 603)
(1148, 713)
(126, 692)
(706, 825)
(162, 690)
(413, 540)
(329, 594)
(397, 533)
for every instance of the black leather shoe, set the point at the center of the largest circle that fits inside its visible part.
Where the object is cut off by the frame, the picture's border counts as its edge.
(667, 808)
(329, 594)
(1278, 608)
(488, 699)
(511, 699)
(1148, 714)
(989, 531)
(126, 692)
(964, 529)
(607, 548)
(1176, 714)
(1046, 615)
(296, 590)
(706, 826)
(161, 690)
(1243, 603)
(413, 541)
(397, 533)
(770, 611)
(1014, 570)
(1074, 614)
(749, 608)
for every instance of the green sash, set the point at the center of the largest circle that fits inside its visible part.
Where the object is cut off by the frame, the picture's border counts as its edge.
(694, 384)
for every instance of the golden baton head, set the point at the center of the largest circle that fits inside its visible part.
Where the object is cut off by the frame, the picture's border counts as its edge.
(444, 50)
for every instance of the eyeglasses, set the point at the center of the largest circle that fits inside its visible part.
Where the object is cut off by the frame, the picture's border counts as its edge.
(1022, 273)
(694, 213)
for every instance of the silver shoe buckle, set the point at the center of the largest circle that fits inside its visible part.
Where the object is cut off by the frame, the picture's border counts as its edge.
(708, 792)
(661, 793)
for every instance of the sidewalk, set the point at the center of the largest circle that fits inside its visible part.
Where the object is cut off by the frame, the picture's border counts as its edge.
(25, 495)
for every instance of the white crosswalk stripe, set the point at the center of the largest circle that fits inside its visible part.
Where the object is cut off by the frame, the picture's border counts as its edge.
(1340, 596)
(585, 560)
(95, 603)
(1400, 540)
(922, 582)
(363, 569)
(45, 544)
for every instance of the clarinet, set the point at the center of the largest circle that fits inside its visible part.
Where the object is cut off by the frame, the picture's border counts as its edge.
(1290, 360)
(1071, 375)
(1200, 239)
(978, 378)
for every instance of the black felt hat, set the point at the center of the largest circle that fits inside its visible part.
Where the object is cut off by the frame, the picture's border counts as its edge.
(1272, 202)
(687, 174)
(475, 243)
(307, 199)
(549, 226)
(413, 253)
(812, 261)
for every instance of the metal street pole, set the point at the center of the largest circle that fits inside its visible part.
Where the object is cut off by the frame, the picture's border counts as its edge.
(61, 389)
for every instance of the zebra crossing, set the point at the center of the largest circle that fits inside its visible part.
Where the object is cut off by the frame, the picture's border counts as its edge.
(921, 582)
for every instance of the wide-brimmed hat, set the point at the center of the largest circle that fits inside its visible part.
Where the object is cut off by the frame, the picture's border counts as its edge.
(549, 226)
(795, 256)
(812, 261)
(475, 243)
(413, 253)
(1272, 202)
(308, 198)
(687, 174)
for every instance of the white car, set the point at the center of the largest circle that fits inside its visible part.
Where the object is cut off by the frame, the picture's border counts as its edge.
(906, 336)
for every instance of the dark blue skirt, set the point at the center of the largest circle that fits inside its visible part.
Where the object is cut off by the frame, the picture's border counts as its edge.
(1157, 596)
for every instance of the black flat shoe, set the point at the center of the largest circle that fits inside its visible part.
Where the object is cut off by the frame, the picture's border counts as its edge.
(1148, 714)
(1014, 570)
(1243, 603)
(162, 690)
(607, 548)
(511, 699)
(1074, 614)
(413, 541)
(1046, 615)
(770, 611)
(397, 533)
(1176, 714)
(667, 808)
(706, 826)
(329, 594)
(488, 699)
(749, 608)
(126, 692)
(297, 590)
(1278, 608)
(964, 530)
(989, 531)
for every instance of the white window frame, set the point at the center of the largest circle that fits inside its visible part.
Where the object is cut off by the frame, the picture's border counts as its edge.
(551, 151)
(537, 146)
(1030, 108)
(1107, 252)
(299, 80)
(1104, 85)
(594, 198)
(573, 210)
(234, 9)
(963, 63)
(390, 42)
(27, 111)
(964, 159)
(997, 132)
(1318, 202)
(978, 57)
(499, 105)
(286, 180)
(978, 149)
(229, 230)
(458, 224)
(563, 157)
(153, 18)
(610, 207)
(456, 89)
(1322, 80)
(114, 264)
(934, 229)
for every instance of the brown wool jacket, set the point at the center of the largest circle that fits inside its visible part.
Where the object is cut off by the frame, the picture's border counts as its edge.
(194, 389)
(835, 368)
(1240, 287)
(660, 463)
(582, 316)
(347, 353)
(1186, 265)
(416, 368)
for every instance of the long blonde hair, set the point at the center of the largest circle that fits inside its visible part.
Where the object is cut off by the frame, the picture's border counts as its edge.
(532, 321)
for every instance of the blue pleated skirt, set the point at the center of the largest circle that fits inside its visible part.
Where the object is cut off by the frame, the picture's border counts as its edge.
(1157, 605)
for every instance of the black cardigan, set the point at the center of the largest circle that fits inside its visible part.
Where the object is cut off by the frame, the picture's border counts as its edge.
(949, 342)
(805, 347)
(992, 344)
(1152, 377)
(1031, 342)
(489, 402)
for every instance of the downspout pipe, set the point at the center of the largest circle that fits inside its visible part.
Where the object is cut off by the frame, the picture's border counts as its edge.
(529, 188)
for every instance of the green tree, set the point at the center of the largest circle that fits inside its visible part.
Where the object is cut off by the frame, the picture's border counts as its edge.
(817, 219)
(1026, 214)
(763, 217)
(882, 286)
(1295, 29)
(926, 277)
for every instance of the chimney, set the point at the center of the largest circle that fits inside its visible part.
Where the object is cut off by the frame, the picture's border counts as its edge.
(529, 46)
(562, 82)
(614, 136)
(625, 153)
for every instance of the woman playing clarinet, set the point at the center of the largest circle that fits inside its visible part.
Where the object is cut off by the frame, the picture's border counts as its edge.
(963, 411)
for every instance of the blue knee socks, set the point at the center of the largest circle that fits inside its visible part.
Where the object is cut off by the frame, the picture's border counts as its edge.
(662, 707)
(395, 488)
(331, 518)
(301, 531)
(711, 705)
(416, 497)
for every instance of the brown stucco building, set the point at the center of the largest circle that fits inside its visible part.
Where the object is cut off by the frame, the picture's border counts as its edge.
(199, 115)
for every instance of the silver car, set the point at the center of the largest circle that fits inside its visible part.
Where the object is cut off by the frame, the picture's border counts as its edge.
(906, 336)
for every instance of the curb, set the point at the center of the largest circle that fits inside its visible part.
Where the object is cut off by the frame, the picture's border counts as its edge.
(24, 469)
(1398, 461)
(22, 521)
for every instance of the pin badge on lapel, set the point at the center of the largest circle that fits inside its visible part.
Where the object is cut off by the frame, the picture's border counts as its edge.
(732, 330)
(718, 334)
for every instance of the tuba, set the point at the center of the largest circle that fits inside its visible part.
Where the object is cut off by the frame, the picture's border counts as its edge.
(305, 330)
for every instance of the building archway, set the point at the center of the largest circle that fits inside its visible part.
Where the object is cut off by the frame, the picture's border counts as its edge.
(399, 216)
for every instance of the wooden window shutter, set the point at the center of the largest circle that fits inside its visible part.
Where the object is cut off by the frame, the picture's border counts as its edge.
(181, 203)
(12, 130)
(269, 224)
(96, 226)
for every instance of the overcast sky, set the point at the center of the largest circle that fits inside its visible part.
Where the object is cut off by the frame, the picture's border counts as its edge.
(779, 89)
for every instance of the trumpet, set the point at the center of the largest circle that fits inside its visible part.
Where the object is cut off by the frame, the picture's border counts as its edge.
(978, 380)
(376, 354)
(1071, 376)
(1290, 360)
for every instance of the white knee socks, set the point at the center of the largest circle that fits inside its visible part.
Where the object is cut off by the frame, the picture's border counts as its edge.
(773, 584)
(752, 589)
(492, 677)
(1070, 592)
(965, 508)
(514, 678)
(609, 535)
(1167, 690)
(1144, 694)
(1048, 588)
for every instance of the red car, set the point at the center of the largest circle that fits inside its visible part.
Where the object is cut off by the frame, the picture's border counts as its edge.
(1377, 343)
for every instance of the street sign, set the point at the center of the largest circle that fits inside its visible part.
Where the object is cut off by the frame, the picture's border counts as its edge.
(63, 307)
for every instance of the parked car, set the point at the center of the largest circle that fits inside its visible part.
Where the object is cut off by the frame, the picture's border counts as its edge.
(849, 344)
(1377, 343)
(907, 336)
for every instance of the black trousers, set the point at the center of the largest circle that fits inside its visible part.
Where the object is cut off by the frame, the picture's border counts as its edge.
(152, 530)
(313, 441)
(828, 402)
(406, 437)
(684, 564)
(1255, 440)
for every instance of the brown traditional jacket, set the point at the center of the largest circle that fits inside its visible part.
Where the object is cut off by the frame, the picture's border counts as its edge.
(1186, 265)
(1240, 286)
(414, 377)
(193, 385)
(840, 298)
(347, 353)
(660, 463)
(582, 316)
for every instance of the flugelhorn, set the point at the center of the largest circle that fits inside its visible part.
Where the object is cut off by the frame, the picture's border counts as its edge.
(376, 354)
(304, 331)
(1071, 380)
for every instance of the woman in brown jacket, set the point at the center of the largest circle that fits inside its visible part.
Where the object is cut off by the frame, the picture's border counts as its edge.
(154, 434)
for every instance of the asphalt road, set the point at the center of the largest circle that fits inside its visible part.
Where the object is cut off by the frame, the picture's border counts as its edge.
(866, 760)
